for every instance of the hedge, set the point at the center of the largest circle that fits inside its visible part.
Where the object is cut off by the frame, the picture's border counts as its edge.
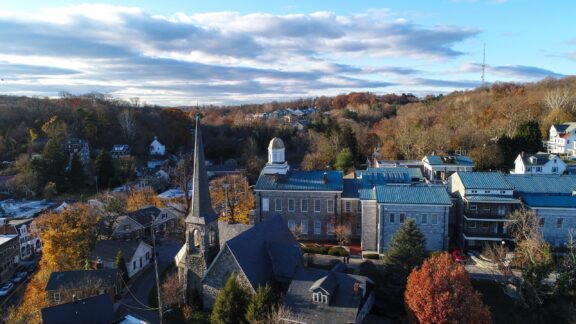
(316, 249)
(373, 256)
(338, 251)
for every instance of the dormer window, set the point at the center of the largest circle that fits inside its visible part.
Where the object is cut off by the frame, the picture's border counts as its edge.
(320, 298)
(316, 297)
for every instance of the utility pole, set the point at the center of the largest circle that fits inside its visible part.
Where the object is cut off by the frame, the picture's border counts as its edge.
(160, 310)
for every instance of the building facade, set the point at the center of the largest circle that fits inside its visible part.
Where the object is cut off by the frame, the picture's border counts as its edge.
(539, 163)
(562, 139)
(9, 256)
(441, 167)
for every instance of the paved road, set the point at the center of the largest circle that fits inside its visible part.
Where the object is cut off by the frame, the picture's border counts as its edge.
(141, 287)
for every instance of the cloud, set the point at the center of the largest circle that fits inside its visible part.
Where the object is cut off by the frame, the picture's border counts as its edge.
(218, 57)
(517, 71)
(461, 84)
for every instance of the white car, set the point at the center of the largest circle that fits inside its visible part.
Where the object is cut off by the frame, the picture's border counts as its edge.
(19, 277)
(5, 290)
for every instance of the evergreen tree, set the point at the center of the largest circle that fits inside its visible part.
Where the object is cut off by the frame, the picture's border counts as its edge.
(260, 305)
(344, 160)
(104, 169)
(121, 266)
(76, 174)
(407, 250)
(529, 137)
(54, 163)
(230, 306)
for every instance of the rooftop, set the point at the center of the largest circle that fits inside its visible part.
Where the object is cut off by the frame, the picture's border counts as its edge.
(539, 158)
(97, 309)
(462, 160)
(7, 238)
(302, 181)
(542, 183)
(412, 195)
(350, 188)
(565, 127)
(106, 250)
(484, 180)
(550, 201)
(70, 279)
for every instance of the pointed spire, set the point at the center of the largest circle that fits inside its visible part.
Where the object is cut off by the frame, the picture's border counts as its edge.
(201, 211)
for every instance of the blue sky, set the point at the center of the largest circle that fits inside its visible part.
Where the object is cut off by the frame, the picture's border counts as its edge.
(233, 52)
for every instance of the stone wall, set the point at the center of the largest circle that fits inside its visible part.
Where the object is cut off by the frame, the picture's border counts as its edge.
(552, 234)
(369, 225)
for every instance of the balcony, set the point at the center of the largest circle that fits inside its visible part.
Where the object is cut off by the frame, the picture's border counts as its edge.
(493, 215)
(486, 235)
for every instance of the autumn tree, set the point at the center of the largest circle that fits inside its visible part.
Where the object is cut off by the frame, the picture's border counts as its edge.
(441, 292)
(172, 290)
(230, 305)
(232, 190)
(181, 176)
(142, 197)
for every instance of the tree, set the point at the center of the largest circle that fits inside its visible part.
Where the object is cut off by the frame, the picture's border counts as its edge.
(240, 198)
(566, 282)
(260, 305)
(441, 292)
(121, 266)
(230, 306)
(104, 169)
(76, 175)
(140, 198)
(344, 160)
(128, 124)
(529, 137)
(172, 290)
(342, 232)
(181, 176)
(54, 164)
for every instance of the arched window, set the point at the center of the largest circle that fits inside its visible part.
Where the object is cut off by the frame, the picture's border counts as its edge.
(197, 238)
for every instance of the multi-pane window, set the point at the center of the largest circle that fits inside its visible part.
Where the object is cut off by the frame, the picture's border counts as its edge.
(330, 205)
(291, 225)
(330, 229)
(317, 205)
(278, 204)
(265, 204)
(473, 207)
(348, 207)
(304, 205)
(424, 219)
(317, 227)
(559, 222)
(392, 218)
(290, 205)
(304, 226)
(434, 219)
(402, 218)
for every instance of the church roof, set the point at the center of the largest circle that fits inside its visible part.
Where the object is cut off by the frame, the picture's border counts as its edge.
(201, 211)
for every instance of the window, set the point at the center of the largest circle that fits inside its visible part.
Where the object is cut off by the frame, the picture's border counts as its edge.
(473, 207)
(57, 297)
(472, 224)
(424, 219)
(304, 205)
(140, 262)
(316, 297)
(304, 226)
(473, 191)
(541, 222)
(278, 204)
(501, 210)
(503, 192)
(402, 218)
(434, 219)
(538, 169)
(317, 227)
(392, 216)
(134, 265)
(290, 205)
(147, 255)
(559, 222)
(487, 191)
(348, 206)
(330, 205)
(291, 225)
(317, 205)
(127, 227)
(325, 299)
(265, 204)
(330, 229)
(358, 228)
(554, 169)
(528, 169)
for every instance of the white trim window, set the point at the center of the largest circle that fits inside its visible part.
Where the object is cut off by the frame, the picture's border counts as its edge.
(559, 222)
(278, 204)
(324, 299)
(434, 219)
(330, 206)
(330, 229)
(316, 297)
(317, 227)
(424, 219)
(392, 218)
(265, 204)
(304, 226)
(402, 218)
(304, 205)
(317, 205)
(348, 206)
(291, 205)
(291, 225)
(57, 297)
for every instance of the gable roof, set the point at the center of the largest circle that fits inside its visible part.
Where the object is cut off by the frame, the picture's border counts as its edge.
(542, 183)
(302, 181)
(144, 215)
(106, 250)
(327, 283)
(413, 195)
(484, 180)
(266, 252)
(68, 279)
(97, 309)
(540, 158)
(550, 201)
(565, 127)
(201, 211)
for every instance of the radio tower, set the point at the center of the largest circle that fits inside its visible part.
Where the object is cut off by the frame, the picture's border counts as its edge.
(484, 64)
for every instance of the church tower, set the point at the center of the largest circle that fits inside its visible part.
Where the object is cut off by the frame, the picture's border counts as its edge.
(276, 160)
(201, 223)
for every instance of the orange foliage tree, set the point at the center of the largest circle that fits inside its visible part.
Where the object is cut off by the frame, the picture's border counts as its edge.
(141, 198)
(67, 240)
(240, 198)
(441, 292)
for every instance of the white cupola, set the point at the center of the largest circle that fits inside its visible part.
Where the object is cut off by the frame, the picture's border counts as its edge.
(276, 159)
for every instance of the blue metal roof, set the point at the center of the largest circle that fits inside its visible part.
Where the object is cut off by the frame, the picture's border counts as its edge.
(484, 180)
(412, 195)
(550, 201)
(449, 160)
(373, 178)
(413, 172)
(302, 180)
(542, 183)
(351, 188)
(367, 194)
(487, 198)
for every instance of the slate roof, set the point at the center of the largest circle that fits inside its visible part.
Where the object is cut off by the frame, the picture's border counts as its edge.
(67, 279)
(201, 211)
(484, 180)
(107, 250)
(412, 195)
(343, 306)
(550, 201)
(449, 160)
(566, 127)
(143, 216)
(97, 309)
(7, 238)
(542, 183)
(267, 252)
(302, 181)
(541, 158)
(350, 188)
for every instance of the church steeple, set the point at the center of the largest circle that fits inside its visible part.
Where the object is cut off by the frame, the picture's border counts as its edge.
(201, 211)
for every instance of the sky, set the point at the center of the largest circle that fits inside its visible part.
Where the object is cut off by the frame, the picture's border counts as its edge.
(188, 52)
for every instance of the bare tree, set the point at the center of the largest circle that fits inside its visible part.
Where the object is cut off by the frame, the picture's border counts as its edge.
(172, 290)
(181, 176)
(127, 121)
(280, 314)
(562, 99)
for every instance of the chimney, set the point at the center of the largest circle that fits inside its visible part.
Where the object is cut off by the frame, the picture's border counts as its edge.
(325, 178)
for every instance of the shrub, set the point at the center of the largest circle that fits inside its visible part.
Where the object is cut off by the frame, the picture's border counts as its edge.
(372, 256)
(316, 249)
(338, 251)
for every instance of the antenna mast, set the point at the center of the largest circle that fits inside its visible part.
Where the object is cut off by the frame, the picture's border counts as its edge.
(484, 65)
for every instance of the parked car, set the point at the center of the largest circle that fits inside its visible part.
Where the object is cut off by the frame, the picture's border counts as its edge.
(459, 256)
(20, 276)
(6, 289)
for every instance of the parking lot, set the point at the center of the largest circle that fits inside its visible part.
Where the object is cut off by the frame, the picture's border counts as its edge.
(15, 294)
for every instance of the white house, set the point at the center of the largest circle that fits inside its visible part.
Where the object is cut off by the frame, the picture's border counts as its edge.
(539, 163)
(440, 167)
(156, 148)
(137, 254)
(562, 139)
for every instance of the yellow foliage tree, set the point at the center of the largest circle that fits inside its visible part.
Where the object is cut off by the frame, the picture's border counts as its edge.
(141, 198)
(240, 199)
